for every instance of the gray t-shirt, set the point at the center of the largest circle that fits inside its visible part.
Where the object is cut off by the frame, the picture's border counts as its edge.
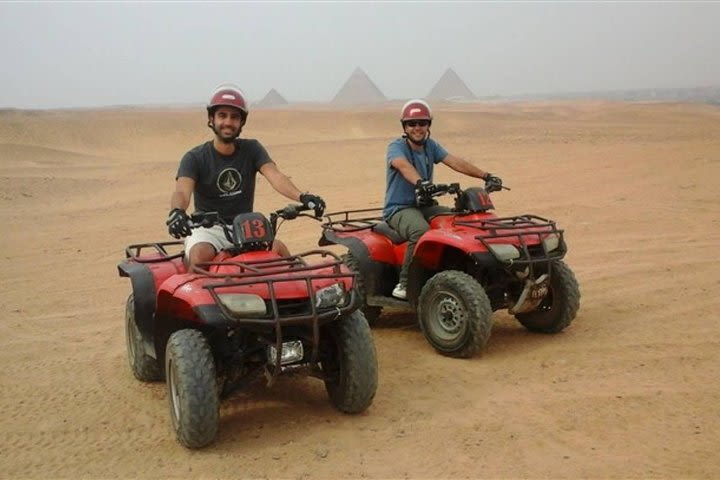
(224, 183)
(399, 193)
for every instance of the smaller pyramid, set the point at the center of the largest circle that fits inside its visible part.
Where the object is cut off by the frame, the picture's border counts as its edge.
(450, 87)
(359, 89)
(271, 99)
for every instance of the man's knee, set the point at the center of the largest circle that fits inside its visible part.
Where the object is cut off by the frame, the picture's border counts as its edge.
(200, 253)
(280, 248)
(409, 223)
(416, 232)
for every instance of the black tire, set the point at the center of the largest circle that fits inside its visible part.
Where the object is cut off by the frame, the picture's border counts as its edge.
(455, 314)
(559, 307)
(144, 367)
(372, 313)
(349, 362)
(192, 388)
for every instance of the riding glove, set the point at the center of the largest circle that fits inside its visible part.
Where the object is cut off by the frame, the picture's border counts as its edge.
(492, 183)
(178, 223)
(314, 202)
(424, 190)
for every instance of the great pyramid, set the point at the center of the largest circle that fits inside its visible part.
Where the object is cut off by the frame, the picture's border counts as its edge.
(450, 87)
(359, 89)
(271, 99)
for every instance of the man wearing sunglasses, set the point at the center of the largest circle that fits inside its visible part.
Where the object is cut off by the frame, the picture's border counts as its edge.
(409, 176)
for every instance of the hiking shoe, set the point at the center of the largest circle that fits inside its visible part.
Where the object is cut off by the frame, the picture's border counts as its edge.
(400, 291)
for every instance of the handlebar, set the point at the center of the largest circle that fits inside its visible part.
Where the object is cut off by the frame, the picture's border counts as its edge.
(442, 189)
(205, 219)
(425, 196)
(290, 212)
(453, 189)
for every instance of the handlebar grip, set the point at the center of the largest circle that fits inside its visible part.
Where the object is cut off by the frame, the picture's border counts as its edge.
(291, 211)
(204, 219)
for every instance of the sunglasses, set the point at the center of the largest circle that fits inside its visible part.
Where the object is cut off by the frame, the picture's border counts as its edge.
(417, 123)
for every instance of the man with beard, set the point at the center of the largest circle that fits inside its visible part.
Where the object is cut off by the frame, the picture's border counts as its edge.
(409, 176)
(221, 176)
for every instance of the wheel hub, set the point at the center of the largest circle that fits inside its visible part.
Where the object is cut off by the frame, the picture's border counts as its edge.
(450, 314)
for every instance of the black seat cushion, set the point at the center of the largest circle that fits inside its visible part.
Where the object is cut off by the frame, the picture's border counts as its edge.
(384, 229)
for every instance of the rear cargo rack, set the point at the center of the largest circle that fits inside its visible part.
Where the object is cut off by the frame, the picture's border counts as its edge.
(158, 252)
(353, 220)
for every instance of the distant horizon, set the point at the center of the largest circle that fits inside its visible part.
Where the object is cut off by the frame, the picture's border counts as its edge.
(570, 95)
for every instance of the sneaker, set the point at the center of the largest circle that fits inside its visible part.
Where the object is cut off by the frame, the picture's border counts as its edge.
(400, 291)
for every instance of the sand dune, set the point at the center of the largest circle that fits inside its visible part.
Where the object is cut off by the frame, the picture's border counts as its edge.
(628, 391)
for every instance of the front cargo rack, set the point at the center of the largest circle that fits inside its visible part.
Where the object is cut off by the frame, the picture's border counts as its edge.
(272, 273)
(526, 232)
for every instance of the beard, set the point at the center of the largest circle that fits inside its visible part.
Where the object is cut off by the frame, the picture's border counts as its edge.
(417, 139)
(226, 135)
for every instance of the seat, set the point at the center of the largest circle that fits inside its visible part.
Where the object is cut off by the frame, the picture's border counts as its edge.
(384, 229)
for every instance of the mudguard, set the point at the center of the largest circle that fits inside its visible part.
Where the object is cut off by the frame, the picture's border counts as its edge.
(433, 243)
(366, 243)
(146, 274)
(143, 287)
(376, 256)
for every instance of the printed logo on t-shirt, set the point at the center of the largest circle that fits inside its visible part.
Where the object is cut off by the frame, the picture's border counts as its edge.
(229, 181)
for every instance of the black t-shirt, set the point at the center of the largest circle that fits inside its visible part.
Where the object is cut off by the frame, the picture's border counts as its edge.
(224, 183)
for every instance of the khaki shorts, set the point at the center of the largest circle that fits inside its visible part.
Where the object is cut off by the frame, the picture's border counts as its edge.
(214, 235)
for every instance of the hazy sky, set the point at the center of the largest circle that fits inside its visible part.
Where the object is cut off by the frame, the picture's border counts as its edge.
(77, 54)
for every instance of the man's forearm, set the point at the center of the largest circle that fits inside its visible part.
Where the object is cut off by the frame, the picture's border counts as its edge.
(283, 185)
(463, 166)
(179, 200)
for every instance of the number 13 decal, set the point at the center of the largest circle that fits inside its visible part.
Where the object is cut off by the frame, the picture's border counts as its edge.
(484, 199)
(253, 229)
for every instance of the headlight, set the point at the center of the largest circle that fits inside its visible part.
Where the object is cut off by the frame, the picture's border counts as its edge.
(291, 352)
(332, 296)
(504, 251)
(244, 304)
(551, 242)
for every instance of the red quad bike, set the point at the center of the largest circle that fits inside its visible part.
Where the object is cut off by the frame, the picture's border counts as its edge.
(470, 263)
(247, 313)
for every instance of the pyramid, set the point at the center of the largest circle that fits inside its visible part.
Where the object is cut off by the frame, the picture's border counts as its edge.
(359, 89)
(450, 87)
(271, 99)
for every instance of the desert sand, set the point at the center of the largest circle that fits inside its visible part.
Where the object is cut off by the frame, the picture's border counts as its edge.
(629, 390)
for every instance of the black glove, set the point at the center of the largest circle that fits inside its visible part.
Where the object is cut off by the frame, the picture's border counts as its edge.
(178, 223)
(314, 202)
(492, 183)
(423, 192)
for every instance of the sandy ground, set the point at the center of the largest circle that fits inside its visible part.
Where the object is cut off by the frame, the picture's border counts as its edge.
(630, 390)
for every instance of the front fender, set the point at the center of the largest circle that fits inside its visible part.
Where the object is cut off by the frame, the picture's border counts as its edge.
(145, 279)
(431, 246)
(144, 294)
